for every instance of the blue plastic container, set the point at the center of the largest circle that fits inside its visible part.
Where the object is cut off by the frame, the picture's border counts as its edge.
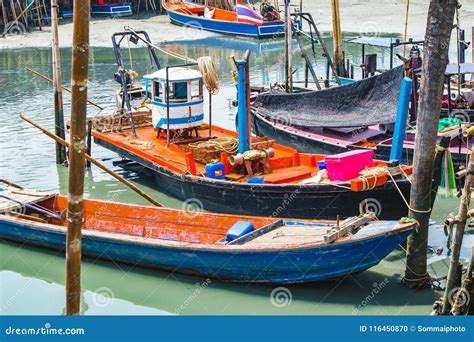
(215, 170)
(256, 180)
(239, 229)
(321, 165)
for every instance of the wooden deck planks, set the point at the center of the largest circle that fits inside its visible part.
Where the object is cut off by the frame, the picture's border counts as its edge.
(25, 196)
(290, 235)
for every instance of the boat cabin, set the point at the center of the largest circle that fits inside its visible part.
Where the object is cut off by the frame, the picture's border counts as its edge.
(181, 107)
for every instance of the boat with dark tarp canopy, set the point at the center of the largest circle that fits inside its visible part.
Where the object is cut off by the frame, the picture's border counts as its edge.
(367, 102)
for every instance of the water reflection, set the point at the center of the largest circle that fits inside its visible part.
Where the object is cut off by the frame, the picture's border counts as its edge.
(32, 280)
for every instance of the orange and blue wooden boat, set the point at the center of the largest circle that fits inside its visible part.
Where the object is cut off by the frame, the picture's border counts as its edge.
(275, 251)
(194, 160)
(244, 21)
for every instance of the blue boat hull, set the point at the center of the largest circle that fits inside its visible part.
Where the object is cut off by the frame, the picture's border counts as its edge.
(267, 30)
(121, 10)
(283, 266)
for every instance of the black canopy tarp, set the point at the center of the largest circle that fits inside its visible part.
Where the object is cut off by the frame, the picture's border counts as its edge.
(366, 102)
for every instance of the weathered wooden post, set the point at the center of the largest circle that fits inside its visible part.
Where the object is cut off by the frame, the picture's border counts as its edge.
(461, 219)
(57, 86)
(436, 48)
(79, 74)
(337, 39)
(288, 49)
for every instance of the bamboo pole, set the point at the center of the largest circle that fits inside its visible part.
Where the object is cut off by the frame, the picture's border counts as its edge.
(288, 50)
(57, 86)
(94, 162)
(461, 219)
(4, 14)
(437, 37)
(405, 29)
(37, 73)
(77, 148)
(337, 39)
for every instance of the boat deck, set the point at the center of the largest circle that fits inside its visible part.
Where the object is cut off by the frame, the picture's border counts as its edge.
(12, 199)
(171, 227)
(288, 166)
(293, 235)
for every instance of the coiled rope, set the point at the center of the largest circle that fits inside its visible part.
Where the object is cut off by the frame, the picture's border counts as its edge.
(225, 144)
(209, 74)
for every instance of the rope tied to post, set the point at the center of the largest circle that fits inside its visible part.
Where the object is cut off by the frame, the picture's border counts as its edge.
(209, 74)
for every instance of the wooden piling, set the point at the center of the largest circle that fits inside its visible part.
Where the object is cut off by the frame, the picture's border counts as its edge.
(461, 219)
(288, 49)
(338, 58)
(77, 150)
(436, 48)
(57, 86)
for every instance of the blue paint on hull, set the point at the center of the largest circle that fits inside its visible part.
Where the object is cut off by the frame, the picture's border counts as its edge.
(274, 266)
(121, 9)
(267, 30)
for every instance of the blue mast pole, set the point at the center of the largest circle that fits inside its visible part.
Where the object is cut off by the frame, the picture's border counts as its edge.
(243, 104)
(401, 120)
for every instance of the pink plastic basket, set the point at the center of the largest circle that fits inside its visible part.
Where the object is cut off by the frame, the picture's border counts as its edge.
(346, 166)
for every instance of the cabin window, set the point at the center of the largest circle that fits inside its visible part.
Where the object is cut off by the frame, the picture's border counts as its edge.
(180, 91)
(196, 90)
(156, 91)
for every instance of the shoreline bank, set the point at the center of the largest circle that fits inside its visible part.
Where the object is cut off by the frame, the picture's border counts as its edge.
(354, 15)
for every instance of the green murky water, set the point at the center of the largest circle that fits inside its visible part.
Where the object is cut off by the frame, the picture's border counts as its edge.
(32, 280)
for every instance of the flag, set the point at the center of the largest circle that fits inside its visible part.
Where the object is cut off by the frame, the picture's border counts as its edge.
(245, 14)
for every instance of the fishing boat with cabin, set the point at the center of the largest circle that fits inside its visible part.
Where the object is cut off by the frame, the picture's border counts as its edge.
(238, 19)
(227, 247)
(235, 172)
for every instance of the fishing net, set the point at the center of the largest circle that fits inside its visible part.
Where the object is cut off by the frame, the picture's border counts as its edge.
(367, 102)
